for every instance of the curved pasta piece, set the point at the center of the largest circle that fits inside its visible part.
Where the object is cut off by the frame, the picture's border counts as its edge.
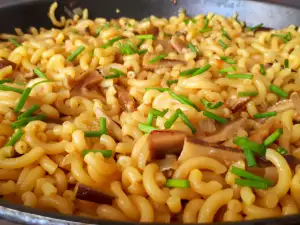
(213, 203)
(57, 202)
(201, 162)
(145, 208)
(108, 212)
(191, 210)
(22, 161)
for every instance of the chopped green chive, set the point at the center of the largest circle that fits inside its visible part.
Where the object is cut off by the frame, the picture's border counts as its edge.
(228, 60)
(223, 44)
(188, 72)
(239, 76)
(98, 31)
(202, 70)
(26, 120)
(29, 112)
(186, 21)
(277, 90)
(113, 70)
(157, 58)
(140, 43)
(205, 26)
(38, 83)
(215, 117)
(228, 70)
(158, 89)
(75, 53)
(105, 153)
(15, 137)
(177, 183)
(286, 63)
(155, 113)
(282, 151)
(183, 100)
(193, 48)
(38, 72)
(93, 133)
(255, 27)
(264, 115)
(102, 122)
(250, 159)
(146, 37)
(170, 82)
(262, 69)
(205, 30)
(251, 183)
(248, 94)
(244, 143)
(225, 34)
(211, 105)
(284, 37)
(103, 129)
(146, 128)
(117, 73)
(20, 83)
(8, 80)
(8, 88)
(168, 124)
(273, 137)
(22, 100)
(14, 41)
(186, 120)
(245, 174)
(111, 42)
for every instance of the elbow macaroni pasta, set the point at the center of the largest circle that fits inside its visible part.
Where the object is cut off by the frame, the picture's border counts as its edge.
(55, 156)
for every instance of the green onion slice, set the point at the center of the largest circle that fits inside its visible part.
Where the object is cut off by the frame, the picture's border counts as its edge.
(202, 70)
(248, 94)
(15, 42)
(105, 153)
(26, 120)
(211, 105)
(146, 128)
(15, 137)
(245, 174)
(75, 53)
(273, 137)
(223, 44)
(155, 113)
(244, 143)
(264, 115)
(157, 58)
(239, 76)
(29, 112)
(8, 88)
(102, 122)
(250, 159)
(286, 63)
(252, 183)
(225, 34)
(228, 70)
(93, 133)
(111, 42)
(284, 37)
(262, 69)
(146, 37)
(193, 48)
(228, 60)
(22, 100)
(8, 80)
(38, 72)
(215, 117)
(186, 21)
(168, 124)
(183, 100)
(177, 183)
(277, 90)
(188, 72)
(186, 121)
(170, 82)
(255, 27)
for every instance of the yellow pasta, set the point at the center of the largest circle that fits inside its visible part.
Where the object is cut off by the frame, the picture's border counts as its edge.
(151, 120)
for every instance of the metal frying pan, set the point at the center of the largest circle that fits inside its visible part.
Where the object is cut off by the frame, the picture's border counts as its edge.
(26, 13)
